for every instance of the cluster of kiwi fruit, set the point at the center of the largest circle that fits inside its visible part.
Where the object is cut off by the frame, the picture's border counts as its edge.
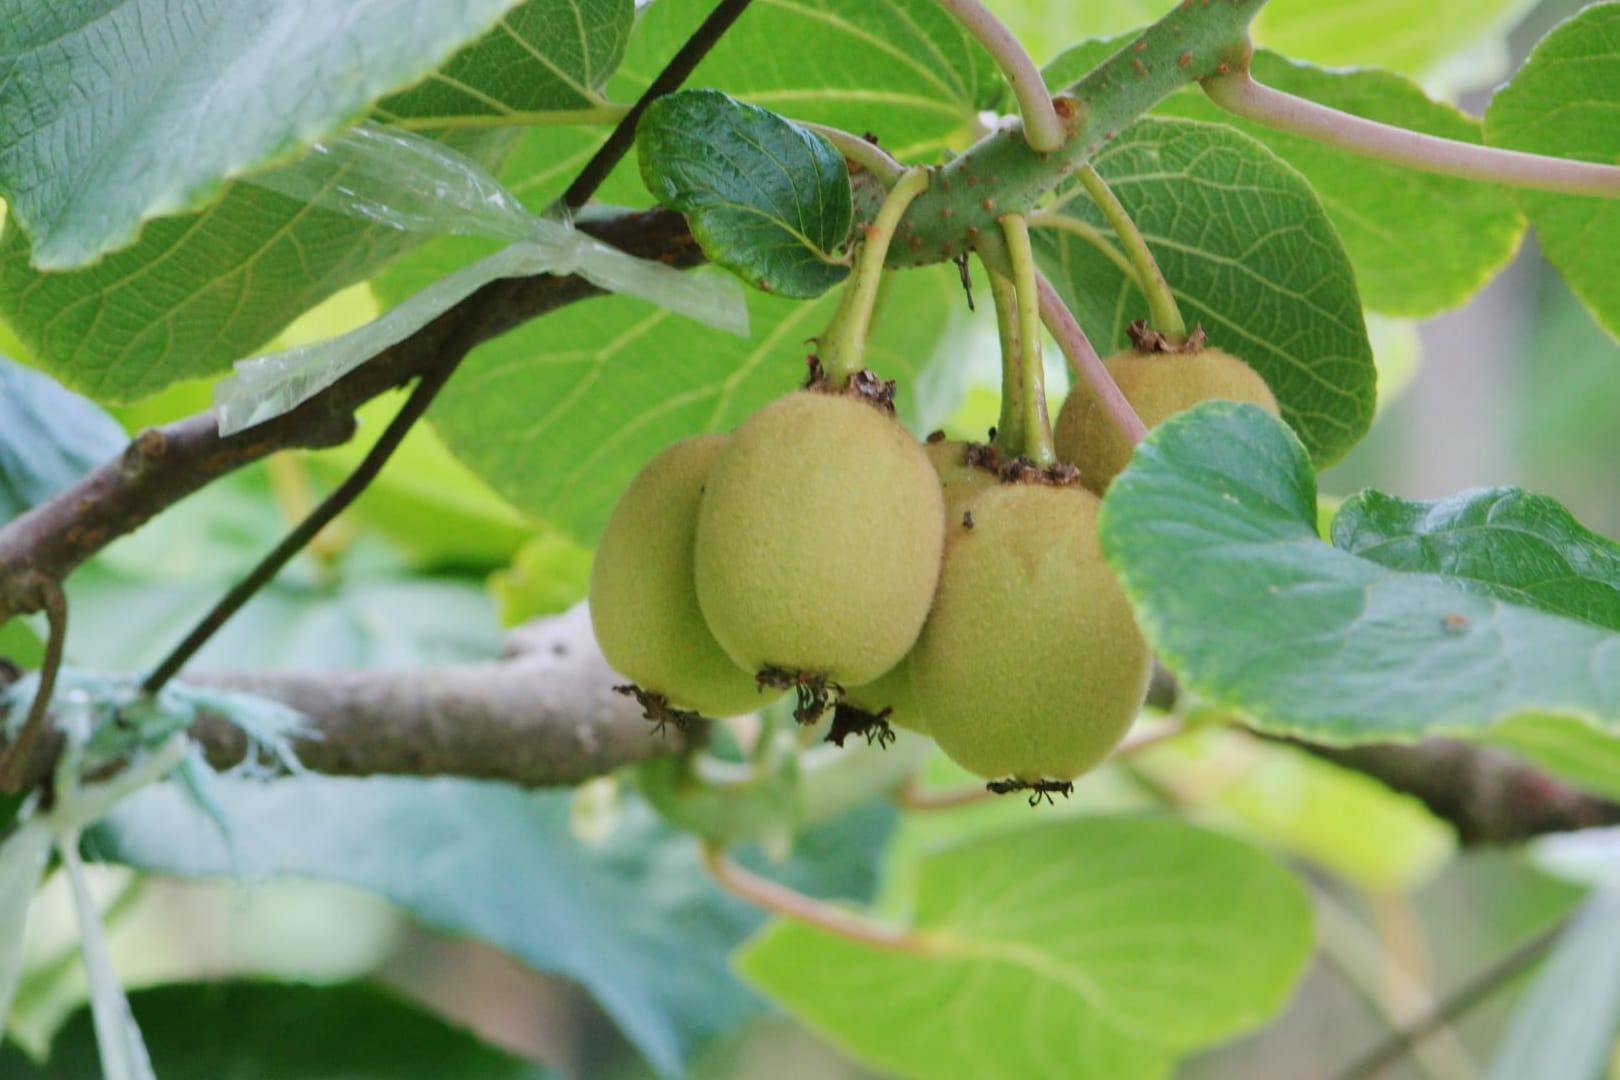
(821, 550)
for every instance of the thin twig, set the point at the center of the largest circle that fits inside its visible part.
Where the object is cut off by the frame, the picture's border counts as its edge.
(14, 762)
(354, 484)
(782, 900)
(1474, 992)
(1239, 93)
(623, 136)
(1042, 125)
(1162, 310)
(1084, 362)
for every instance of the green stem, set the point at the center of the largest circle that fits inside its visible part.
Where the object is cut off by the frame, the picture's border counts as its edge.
(1010, 425)
(605, 113)
(1043, 127)
(1002, 173)
(1238, 93)
(1163, 313)
(843, 343)
(868, 155)
(1037, 427)
(1075, 227)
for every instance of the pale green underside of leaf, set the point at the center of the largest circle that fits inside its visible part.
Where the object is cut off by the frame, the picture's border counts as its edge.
(199, 291)
(1249, 254)
(559, 415)
(1565, 102)
(113, 112)
(1212, 529)
(1101, 947)
(767, 199)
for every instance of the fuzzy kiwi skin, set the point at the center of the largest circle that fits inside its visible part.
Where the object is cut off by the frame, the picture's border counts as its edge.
(1031, 665)
(819, 539)
(644, 606)
(1158, 385)
(957, 479)
(892, 691)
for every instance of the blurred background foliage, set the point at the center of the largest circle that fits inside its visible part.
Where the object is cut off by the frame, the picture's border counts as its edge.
(1517, 387)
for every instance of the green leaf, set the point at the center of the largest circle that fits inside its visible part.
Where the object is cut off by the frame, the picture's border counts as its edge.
(1212, 529)
(766, 198)
(49, 438)
(1459, 42)
(1563, 102)
(543, 56)
(902, 68)
(1101, 947)
(1565, 1025)
(1420, 243)
(1522, 548)
(1249, 253)
(559, 415)
(116, 111)
(348, 1031)
(195, 292)
(621, 906)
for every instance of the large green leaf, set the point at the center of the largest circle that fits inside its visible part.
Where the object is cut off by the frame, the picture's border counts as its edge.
(1100, 947)
(1420, 243)
(48, 438)
(350, 1031)
(558, 416)
(623, 908)
(1212, 528)
(199, 291)
(116, 111)
(1564, 102)
(767, 199)
(544, 56)
(1249, 253)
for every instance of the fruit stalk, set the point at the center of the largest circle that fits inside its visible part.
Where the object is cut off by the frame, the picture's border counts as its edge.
(1037, 444)
(843, 344)
(1010, 424)
(1238, 93)
(1163, 314)
(1042, 125)
(1084, 362)
(868, 155)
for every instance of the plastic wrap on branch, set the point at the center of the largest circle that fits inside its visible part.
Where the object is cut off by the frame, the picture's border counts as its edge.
(406, 182)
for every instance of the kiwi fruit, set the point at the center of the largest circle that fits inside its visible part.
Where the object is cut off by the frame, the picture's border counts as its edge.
(1030, 665)
(957, 479)
(819, 539)
(1158, 385)
(891, 691)
(644, 605)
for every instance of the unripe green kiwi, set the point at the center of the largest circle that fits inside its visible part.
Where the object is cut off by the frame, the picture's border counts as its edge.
(819, 539)
(892, 691)
(1158, 385)
(957, 479)
(644, 606)
(1031, 665)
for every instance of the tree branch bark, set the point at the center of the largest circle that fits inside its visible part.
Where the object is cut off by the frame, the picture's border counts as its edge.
(165, 464)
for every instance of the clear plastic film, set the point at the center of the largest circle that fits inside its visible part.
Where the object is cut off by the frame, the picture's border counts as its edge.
(406, 182)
